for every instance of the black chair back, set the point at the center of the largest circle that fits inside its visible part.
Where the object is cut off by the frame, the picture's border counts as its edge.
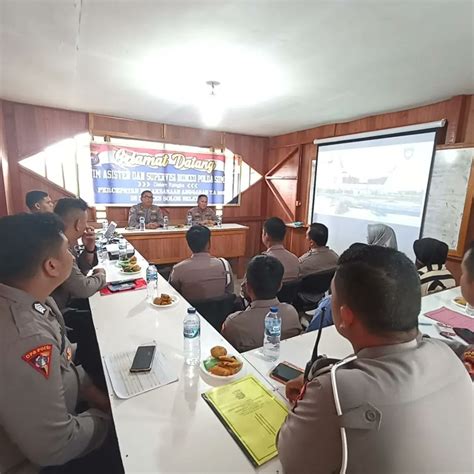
(317, 282)
(215, 310)
(312, 289)
(288, 291)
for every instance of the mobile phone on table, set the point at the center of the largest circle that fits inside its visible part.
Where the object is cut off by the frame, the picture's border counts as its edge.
(143, 359)
(121, 286)
(284, 372)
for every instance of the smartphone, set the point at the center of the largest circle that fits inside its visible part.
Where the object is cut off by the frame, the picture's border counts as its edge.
(284, 372)
(143, 360)
(121, 286)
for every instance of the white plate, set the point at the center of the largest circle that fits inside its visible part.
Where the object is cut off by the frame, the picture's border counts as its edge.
(463, 306)
(163, 306)
(222, 377)
(130, 273)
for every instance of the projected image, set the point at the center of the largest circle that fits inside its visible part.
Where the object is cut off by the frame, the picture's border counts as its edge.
(380, 180)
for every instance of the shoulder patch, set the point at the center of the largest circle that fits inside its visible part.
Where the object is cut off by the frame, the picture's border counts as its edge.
(39, 308)
(40, 359)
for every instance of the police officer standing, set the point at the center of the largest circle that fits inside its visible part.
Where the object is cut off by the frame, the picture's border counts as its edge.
(39, 384)
(402, 403)
(152, 214)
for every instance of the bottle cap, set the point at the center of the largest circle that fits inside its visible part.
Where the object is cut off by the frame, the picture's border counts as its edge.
(274, 309)
(191, 310)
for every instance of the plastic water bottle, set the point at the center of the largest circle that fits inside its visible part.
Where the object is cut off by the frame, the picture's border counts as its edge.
(151, 281)
(105, 225)
(192, 337)
(219, 221)
(190, 220)
(271, 338)
(122, 247)
(165, 222)
(142, 223)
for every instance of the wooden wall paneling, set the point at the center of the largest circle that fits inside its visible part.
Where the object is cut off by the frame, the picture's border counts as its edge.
(30, 181)
(250, 203)
(282, 181)
(5, 191)
(38, 127)
(303, 136)
(252, 149)
(11, 164)
(295, 240)
(304, 180)
(125, 128)
(467, 121)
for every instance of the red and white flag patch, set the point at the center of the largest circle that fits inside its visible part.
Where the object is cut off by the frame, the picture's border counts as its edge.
(40, 359)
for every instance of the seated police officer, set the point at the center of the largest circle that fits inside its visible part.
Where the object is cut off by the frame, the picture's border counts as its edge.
(402, 403)
(39, 384)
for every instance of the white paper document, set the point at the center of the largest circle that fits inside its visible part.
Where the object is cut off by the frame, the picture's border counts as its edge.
(127, 384)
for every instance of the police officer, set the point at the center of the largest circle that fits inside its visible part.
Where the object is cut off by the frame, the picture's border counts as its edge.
(201, 214)
(40, 385)
(244, 329)
(319, 257)
(152, 214)
(273, 235)
(402, 403)
(202, 276)
(39, 201)
(73, 213)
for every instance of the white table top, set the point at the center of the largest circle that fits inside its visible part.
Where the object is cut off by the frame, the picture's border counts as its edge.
(298, 350)
(174, 229)
(170, 429)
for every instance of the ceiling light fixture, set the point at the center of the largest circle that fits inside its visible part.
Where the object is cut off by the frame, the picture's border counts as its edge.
(211, 110)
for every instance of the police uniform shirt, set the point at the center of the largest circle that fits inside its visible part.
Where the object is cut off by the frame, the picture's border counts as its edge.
(288, 260)
(39, 388)
(317, 260)
(406, 408)
(78, 285)
(202, 216)
(151, 214)
(245, 329)
(202, 276)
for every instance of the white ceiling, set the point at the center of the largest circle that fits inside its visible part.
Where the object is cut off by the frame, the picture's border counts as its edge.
(283, 65)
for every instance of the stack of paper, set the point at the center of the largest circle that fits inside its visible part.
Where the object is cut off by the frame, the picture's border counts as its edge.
(127, 384)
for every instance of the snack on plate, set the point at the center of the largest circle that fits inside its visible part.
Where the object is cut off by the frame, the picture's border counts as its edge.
(222, 364)
(468, 359)
(218, 351)
(131, 268)
(163, 300)
(460, 300)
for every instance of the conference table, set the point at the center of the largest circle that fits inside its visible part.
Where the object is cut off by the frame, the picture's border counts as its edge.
(165, 246)
(298, 350)
(171, 428)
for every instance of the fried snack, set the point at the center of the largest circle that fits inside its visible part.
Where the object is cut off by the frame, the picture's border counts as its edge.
(231, 365)
(136, 268)
(226, 358)
(218, 351)
(132, 260)
(163, 300)
(221, 371)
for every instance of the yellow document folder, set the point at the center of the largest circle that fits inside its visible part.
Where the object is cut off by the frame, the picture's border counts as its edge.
(251, 414)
